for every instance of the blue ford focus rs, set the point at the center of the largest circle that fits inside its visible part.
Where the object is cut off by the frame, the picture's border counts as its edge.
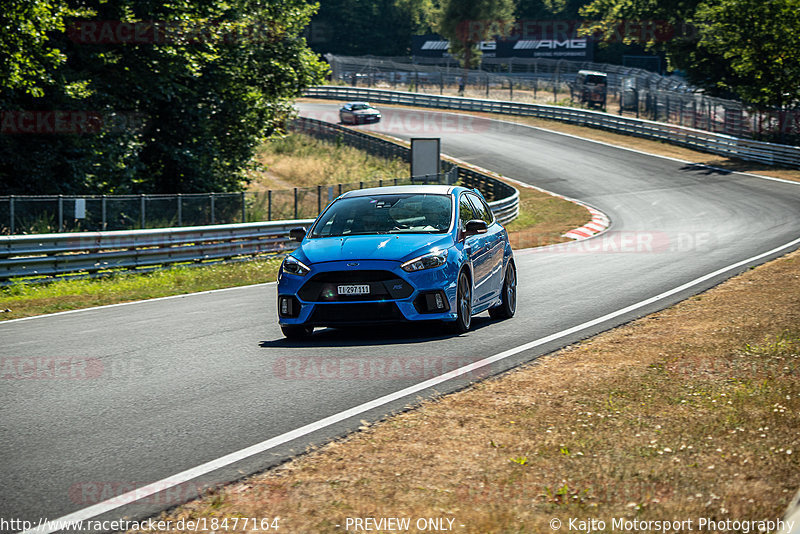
(395, 254)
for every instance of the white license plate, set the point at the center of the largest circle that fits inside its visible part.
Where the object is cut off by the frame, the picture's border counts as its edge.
(353, 290)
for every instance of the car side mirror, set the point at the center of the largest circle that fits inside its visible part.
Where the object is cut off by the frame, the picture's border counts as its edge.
(475, 226)
(297, 234)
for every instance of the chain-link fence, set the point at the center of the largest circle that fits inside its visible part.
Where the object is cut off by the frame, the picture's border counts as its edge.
(630, 91)
(50, 214)
(520, 74)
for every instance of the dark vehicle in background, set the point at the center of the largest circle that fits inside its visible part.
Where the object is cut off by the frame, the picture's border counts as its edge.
(592, 88)
(358, 113)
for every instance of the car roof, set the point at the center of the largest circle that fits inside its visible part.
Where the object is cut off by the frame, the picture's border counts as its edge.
(354, 103)
(402, 190)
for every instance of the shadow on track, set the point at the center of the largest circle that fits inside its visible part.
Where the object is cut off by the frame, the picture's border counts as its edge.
(706, 170)
(365, 335)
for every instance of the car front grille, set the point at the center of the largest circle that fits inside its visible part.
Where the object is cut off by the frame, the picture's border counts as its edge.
(369, 312)
(383, 285)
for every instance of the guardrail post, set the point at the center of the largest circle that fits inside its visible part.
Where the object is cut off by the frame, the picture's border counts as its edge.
(180, 209)
(143, 212)
(212, 208)
(104, 213)
(11, 214)
(319, 199)
(244, 210)
(269, 205)
(295, 203)
(60, 213)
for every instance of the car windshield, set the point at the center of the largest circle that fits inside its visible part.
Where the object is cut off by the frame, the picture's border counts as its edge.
(413, 213)
(360, 107)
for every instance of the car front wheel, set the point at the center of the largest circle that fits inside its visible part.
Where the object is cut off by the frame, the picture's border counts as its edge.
(508, 297)
(463, 305)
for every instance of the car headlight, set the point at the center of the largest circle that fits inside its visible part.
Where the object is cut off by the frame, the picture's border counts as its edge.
(292, 265)
(426, 261)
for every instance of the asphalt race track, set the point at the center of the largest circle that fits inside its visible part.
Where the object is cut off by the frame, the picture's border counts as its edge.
(155, 388)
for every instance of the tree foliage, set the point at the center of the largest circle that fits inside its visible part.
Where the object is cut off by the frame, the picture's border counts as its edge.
(465, 23)
(370, 27)
(178, 110)
(760, 42)
(737, 48)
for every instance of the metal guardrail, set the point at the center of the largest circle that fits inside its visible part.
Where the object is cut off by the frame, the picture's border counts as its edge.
(715, 143)
(93, 253)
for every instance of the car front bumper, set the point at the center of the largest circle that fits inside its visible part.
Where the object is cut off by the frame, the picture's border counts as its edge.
(395, 295)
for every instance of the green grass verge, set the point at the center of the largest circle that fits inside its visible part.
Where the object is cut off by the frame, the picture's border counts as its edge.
(24, 300)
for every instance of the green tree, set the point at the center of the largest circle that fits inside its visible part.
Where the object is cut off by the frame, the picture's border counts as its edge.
(374, 27)
(465, 23)
(760, 42)
(734, 48)
(28, 56)
(181, 109)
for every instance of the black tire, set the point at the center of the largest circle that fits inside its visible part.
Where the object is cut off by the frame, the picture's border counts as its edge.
(508, 304)
(296, 331)
(463, 305)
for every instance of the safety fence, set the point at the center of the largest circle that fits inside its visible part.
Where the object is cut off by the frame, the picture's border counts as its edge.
(64, 213)
(629, 90)
(715, 143)
(520, 72)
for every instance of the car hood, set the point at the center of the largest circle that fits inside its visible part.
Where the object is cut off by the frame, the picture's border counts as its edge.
(392, 247)
(366, 112)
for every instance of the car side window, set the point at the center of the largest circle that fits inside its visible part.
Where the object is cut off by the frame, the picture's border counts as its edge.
(465, 211)
(482, 210)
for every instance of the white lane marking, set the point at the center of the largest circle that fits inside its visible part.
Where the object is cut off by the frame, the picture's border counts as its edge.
(132, 302)
(203, 469)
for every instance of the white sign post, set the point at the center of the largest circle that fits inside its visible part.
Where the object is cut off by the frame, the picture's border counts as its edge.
(425, 159)
(80, 208)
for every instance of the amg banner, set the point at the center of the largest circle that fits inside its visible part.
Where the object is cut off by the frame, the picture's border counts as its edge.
(553, 47)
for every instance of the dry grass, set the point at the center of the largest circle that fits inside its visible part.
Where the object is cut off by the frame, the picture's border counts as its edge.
(693, 412)
(298, 160)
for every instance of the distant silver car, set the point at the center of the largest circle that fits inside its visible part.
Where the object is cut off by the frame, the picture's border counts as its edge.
(358, 113)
